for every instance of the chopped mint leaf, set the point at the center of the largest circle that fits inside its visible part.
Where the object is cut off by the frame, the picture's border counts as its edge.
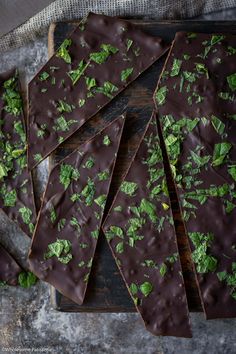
(146, 288)
(19, 128)
(176, 67)
(120, 247)
(75, 223)
(81, 264)
(102, 56)
(44, 76)
(107, 89)
(201, 69)
(165, 206)
(61, 224)
(89, 163)
(53, 214)
(218, 125)
(109, 48)
(60, 249)
(128, 188)
(13, 103)
(126, 73)
(76, 74)
(189, 76)
(3, 171)
(63, 125)
(104, 175)
(216, 39)
(232, 171)
(75, 197)
(62, 106)
(113, 232)
(220, 152)
(63, 51)
(26, 279)
(163, 269)
(231, 79)
(133, 289)
(67, 174)
(88, 192)
(9, 199)
(106, 140)
(160, 95)
(101, 200)
(81, 102)
(229, 279)
(148, 208)
(95, 234)
(26, 215)
(129, 43)
(90, 82)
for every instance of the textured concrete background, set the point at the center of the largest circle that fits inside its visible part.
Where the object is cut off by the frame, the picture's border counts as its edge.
(29, 324)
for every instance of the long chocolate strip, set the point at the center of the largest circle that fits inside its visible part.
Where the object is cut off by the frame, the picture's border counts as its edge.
(68, 226)
(139, 229)
(100, 58)
(16, 188)
(196, 105)
(9, 269)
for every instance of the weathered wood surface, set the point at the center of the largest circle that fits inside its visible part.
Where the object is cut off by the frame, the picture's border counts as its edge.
(106, 290)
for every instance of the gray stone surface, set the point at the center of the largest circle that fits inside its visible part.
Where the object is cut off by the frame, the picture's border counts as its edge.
(29, 324)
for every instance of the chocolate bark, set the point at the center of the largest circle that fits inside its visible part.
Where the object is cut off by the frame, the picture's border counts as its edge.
(100, 58)
(9, 269)
(68, 226)
(140, 231)
(16, 188)
(196, 106)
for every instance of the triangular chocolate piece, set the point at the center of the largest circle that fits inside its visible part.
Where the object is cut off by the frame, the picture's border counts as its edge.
(16, 188)
(99, 59)
(68, 225)
(141, 234)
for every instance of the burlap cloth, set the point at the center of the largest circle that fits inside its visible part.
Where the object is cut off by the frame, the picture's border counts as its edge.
(75, 9)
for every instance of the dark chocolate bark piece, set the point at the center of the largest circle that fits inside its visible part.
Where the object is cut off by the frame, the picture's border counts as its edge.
(9, 269)
(16, 188)
(68, 226)
(140, 231)
(100, 58)
(196, 105)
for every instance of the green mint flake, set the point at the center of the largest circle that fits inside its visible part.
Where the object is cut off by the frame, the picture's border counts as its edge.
(231, 79)
(102, 56)
(133, 288)
(26, 215)
(76, 74)
(44, 76)
(216, 39)
(67, 174)
(148, 208)
(160, 95)
(113, 232)
(104, 175)
(3, 171)
(75, 197)
(62, 106)
(176, 67)
(120, 247)
(61, 224)
(231, 50)
(118, 208)
(19, 128)
(149, 263)
(13, 102)
(81, 102)
(202, 69)
(89, 163)
(107, 89)
(163, 269)
(200, 160)
(101, 200)
(125, 74)
(88, 192)
(134, 225)
(63, 51)
(26, 279)
(53, 215)
(106, 140)
(9, 199)
(229, 206)
(146, 288)
(95, 234)
(83, 245)
(220, 152)
(191, 35)
(225, 96)
(186, 57)
(229, 279)
(129, 43)
(165, 206)
(204, 263)
(189, 76)
(218, 125)
(60, 249)
(232, 171)
(129, 188)
(90, 82)
(75, 223)
(63, 125)
(81, 264)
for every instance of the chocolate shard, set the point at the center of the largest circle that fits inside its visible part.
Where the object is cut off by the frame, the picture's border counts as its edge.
(100, 58)
(196, 105)
(140, 231)
(68, 226)
(16, 188)
(9, 269)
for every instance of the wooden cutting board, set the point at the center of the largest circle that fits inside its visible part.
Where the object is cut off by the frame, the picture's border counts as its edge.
(106, 290)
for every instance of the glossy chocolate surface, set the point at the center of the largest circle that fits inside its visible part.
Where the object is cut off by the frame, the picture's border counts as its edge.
(16, 188)
(132, 50)
(196, 105)
(75, 213)
(139, 229)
